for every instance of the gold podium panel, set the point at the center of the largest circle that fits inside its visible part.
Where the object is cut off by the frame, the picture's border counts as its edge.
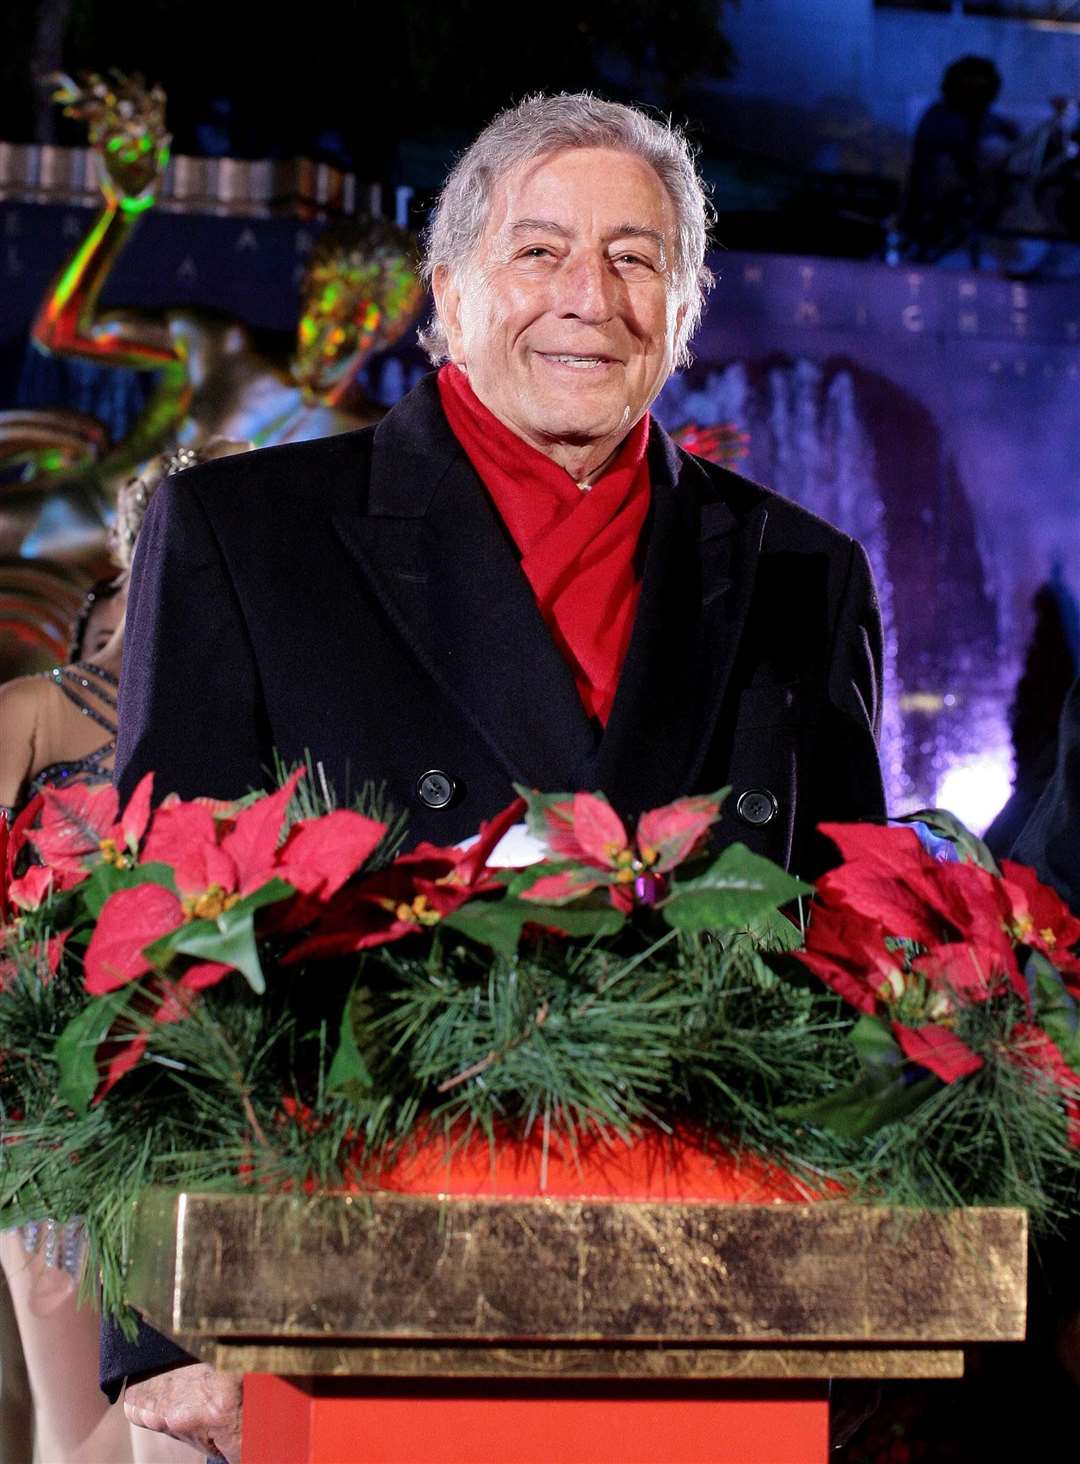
(386, 1284)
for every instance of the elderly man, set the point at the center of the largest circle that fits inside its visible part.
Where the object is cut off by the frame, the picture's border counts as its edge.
(514, 577)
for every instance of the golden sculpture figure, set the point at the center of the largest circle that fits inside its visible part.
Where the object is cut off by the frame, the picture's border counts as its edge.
(360, 294)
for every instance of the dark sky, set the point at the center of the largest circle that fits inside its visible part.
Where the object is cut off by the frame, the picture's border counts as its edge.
(428, 70)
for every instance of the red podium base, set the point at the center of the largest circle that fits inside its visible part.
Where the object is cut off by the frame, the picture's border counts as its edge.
(345, 1421)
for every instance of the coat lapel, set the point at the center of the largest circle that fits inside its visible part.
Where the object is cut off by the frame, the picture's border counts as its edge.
(436, 555)
(697, 583)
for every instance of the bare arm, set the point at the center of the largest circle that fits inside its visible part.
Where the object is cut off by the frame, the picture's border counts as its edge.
(128, 137)
(19, 702)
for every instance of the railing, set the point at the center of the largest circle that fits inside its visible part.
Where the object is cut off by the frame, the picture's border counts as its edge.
(255, 188)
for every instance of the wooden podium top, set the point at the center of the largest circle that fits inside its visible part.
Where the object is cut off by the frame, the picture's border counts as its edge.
(417, 1285)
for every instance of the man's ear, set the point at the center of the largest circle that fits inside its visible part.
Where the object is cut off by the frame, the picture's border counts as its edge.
(447, 294)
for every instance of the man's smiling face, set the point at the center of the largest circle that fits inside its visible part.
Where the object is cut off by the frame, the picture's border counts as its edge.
(566, 317)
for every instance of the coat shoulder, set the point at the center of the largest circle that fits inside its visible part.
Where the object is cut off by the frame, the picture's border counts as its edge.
(789, 526)
(297, 476)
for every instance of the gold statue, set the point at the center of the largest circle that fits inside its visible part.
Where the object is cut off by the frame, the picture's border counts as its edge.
(360, 294)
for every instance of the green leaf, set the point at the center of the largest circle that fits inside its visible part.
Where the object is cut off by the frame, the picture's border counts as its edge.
(498, 923)
(106, 879)
(737, 888)
(864, 1107)
(229, 939)
(349, 1072)
(79, 1041)
(878, 1050)
(267, 894)
(947, 826)
(774, 932)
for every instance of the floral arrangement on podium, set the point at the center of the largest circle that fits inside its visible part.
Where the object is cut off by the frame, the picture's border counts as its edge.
(265, 993)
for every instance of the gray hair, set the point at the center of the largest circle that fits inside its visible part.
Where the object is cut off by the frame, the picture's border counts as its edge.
(546, 124)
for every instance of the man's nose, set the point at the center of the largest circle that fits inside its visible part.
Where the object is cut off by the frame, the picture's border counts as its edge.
(587, 288)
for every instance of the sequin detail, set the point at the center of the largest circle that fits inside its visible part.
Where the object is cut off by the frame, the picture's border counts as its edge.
(62, 1247)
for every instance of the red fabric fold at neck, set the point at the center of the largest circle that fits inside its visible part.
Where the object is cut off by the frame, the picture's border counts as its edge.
(577, 549)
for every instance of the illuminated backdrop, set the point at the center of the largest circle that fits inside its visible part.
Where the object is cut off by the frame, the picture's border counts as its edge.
(935, 415)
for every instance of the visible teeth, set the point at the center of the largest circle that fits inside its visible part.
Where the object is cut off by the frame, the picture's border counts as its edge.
(579, 360)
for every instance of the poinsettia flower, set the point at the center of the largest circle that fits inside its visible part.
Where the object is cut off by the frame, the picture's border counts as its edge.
(213, 859)
(417, 891)
(586, 830)
(217, 861)
(889, 878)
(82, 824)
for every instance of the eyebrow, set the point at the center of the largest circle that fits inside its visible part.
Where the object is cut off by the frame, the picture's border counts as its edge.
(623, 231)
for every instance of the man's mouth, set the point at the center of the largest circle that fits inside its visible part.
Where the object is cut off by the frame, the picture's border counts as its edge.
(579, 363)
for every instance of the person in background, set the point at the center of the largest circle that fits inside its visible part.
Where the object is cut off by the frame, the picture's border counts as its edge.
(101, 612)
(958, 181)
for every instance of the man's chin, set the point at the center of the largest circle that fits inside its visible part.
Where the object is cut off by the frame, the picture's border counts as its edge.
(575, 424)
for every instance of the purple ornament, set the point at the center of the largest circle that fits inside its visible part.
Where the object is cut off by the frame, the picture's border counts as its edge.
(649, 888)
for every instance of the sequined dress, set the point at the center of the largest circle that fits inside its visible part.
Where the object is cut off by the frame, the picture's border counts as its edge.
(64, 1245)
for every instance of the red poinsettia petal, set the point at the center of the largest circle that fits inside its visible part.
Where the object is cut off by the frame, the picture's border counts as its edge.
(174, 1003)
(180, 835)
(320, 854)
(939, 1050)
(599, 829)
(54, 951)
(874, 891)
(470, 864)
(973, 973)
(136, 816)
(203, 974)
(848, 984)
(677, 831)
(433, 861)
(129, 921)
(321, 946)
(557, 889)
(73, 823)
(5, 839)
(848, 952)
(116, 1057)
(34, 887)
(252, 842)
(885, 843)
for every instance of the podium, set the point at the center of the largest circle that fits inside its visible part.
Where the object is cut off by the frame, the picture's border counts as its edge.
(392, 1328)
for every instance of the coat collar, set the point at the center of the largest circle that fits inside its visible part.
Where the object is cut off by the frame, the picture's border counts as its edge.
(438, 558)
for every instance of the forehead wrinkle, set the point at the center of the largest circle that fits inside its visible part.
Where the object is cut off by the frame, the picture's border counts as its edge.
(628, 230)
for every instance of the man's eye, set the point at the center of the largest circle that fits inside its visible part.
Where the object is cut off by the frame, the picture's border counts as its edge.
(633, 259)
(536, 251)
